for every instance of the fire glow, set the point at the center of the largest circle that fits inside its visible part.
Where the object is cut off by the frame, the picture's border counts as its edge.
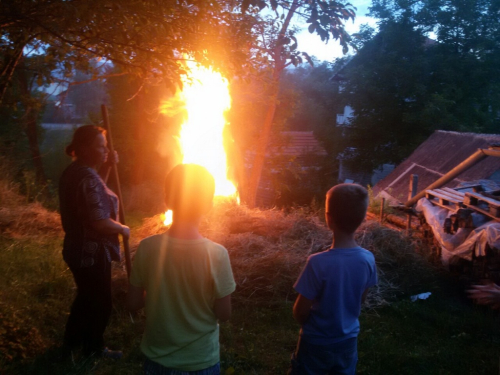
(205, 98)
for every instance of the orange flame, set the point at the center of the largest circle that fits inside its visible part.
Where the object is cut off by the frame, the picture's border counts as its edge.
(205, 98)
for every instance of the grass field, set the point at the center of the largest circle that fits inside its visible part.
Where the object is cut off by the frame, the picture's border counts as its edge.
(445, 334)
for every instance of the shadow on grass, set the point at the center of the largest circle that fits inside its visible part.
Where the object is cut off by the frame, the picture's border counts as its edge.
(445, 334)
(54, 361)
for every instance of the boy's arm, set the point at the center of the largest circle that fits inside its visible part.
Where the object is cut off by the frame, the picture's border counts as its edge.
(302, 309)
(135, 298)
(222, 308)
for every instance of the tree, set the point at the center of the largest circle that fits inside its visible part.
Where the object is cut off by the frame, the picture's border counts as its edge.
(148, 39)
(307, 101)
(317, 103)
(468, 46)
(87, 96)
(277, 48)
(138, 128)
(385, 84)
(313, 92)
(403, 85)
(304, 179)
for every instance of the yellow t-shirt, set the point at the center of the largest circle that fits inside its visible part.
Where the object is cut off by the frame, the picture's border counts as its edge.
(182, 279)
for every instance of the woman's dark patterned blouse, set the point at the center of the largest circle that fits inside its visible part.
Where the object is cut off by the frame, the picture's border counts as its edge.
(83, 198)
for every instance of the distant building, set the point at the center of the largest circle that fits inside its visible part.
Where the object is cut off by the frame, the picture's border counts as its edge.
(343, 118)
(440, 153)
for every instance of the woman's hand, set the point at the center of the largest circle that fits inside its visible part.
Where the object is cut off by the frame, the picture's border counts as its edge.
(125, 232)
(485, 295)
(113, 158)
(110, 226)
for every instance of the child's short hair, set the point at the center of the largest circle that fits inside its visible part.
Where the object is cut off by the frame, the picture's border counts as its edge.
(347, 204)
(189, 190)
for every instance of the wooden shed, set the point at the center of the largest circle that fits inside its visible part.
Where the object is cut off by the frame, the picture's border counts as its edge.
(440, 153)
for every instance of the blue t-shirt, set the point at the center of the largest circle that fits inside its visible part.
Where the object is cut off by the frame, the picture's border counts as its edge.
(335, 280)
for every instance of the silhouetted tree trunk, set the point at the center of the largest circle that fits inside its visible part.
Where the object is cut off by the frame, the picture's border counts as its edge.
(279, 64)
(32, 106)
(9, 64)
(260, 152)
(137, 176)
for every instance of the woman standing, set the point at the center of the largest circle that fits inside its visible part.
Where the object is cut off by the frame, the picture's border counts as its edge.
(89, 212)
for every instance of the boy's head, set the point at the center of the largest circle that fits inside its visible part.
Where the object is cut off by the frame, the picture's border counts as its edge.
(189, 191)
(346, 206)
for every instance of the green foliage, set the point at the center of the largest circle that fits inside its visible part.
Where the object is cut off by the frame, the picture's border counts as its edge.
(275, 48)
(305, 102)
(32, 280)
(146, 38)
(84, 94)
(403, 85)
(249, 102)
(375, 203)
(12, 139)
(20, 117)
(301, 183)
(315, 100)
(325, 19)
(149, 40)
(139, 129)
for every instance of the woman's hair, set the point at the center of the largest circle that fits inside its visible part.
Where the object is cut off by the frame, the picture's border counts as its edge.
(82, 138)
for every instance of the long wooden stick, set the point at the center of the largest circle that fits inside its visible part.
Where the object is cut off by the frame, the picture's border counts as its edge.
(126, 248)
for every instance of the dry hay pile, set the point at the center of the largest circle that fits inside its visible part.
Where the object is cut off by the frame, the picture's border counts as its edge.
(28, 220)
(18, 218)
(268, 249)
(400, 267)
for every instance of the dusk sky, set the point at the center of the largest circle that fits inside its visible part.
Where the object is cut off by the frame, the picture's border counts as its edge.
(312, 44)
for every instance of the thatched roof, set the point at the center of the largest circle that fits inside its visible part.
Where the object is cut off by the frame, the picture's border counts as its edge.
(441, 152)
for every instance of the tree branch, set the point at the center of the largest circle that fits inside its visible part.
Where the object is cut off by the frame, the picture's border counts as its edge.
(9, 71)
(137, 93)
(70, 83)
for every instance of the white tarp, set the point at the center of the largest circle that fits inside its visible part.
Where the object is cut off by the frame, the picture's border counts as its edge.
(466, 241)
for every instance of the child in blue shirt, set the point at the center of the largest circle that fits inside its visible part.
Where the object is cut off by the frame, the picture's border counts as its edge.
(332, 287)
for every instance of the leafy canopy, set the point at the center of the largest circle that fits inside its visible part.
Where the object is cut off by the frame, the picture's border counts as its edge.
(403, 84)
(148, 38)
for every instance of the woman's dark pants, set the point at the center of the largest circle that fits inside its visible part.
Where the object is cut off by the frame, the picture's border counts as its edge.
(91, 308)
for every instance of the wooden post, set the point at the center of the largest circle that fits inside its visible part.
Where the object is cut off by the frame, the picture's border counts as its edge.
(412, 191)
(382, 204)
(105, 118)
(476, 157)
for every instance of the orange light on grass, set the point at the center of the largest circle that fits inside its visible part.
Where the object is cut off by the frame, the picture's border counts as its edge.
(205, 98)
